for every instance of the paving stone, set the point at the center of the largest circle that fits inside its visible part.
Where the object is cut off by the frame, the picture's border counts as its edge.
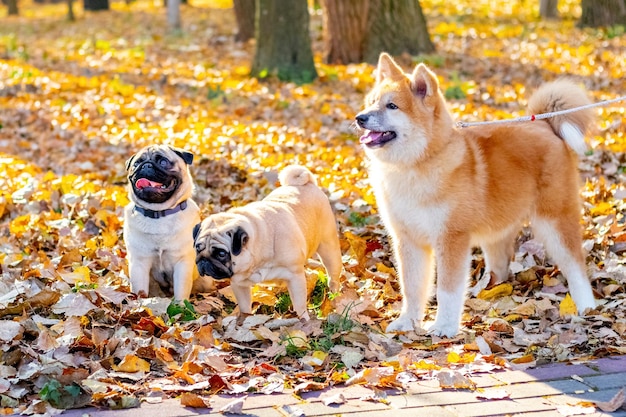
(609, 365)
(439, 398)
(352, 406)
(556, 371)
(500, 407)
(606, 381)
(539, 389)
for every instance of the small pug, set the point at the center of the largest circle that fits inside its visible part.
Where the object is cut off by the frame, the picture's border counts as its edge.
(271, 240)
(159, 221)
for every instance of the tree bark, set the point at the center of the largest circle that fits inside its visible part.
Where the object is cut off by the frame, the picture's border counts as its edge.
(396, 27)
(598, 13)
(356, 31)
(173, 14)
(12, 8)
(345, 25)
(548, 9)
(244, 13)
(70, 11)
(95, 5)
(283, 44)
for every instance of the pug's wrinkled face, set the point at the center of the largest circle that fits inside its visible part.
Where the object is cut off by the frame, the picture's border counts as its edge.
(156, 172)
(219, 249)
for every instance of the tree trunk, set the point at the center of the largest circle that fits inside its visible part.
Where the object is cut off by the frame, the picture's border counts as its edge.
(95, 5)
(244, 13)
(396, 27)
(70, 11)
(548, 9)
(598, 13)
(356, 31)
(283, 44)
(345, 25)
(12, 7)
(173, 14)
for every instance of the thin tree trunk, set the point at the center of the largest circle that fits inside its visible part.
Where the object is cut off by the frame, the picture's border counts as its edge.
(283, 44)
(244, 13)
(548, 9)
(12, 8)
(173, 14)
(345, 25)
(70, 11)
(599, 13)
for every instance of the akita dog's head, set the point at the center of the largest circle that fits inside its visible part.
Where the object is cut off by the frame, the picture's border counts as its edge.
(403, 113)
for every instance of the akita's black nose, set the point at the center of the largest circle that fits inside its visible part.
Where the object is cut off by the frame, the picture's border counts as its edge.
(361, 119)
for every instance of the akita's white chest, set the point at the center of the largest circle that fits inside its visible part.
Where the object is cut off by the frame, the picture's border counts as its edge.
(410, 204)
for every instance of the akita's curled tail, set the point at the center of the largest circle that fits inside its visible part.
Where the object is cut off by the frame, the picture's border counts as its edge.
(296, 175)
(562, 95)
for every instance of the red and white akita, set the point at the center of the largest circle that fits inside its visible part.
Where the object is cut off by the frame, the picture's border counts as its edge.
(442, 190)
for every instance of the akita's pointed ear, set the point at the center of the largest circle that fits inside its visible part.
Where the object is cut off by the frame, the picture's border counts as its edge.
(423, 81)
(387, 68)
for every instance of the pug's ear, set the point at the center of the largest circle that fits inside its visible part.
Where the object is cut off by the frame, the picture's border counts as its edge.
(240, 238)
(196, 230)
(186, 156)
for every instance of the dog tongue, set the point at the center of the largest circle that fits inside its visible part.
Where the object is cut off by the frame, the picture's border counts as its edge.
(370, 137)
(144, 182)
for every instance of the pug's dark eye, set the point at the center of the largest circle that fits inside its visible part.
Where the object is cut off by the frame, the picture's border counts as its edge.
(163, 162)
(392, 106)
(220, 254)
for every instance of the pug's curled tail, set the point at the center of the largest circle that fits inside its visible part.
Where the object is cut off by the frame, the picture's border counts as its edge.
(560, 95)
(296, 175)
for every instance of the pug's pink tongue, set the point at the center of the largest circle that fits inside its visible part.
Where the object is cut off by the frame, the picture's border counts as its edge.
(144, 183)
(370, 137)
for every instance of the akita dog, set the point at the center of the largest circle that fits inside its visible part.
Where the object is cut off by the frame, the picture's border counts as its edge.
(442, 190)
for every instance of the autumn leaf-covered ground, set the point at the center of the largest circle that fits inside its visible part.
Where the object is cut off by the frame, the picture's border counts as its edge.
(77, 99)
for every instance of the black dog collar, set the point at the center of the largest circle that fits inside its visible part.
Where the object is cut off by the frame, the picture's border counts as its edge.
(158, 214)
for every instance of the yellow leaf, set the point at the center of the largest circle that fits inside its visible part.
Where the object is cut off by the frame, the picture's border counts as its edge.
(131, 364)
(423, 365)
(601, 209)
(498, 291)
(567, 306)
(454, 357)
(383, 268)
(524, 359)
(109, 238)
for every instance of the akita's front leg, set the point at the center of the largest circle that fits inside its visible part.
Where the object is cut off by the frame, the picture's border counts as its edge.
(453, 260)
(415, 273)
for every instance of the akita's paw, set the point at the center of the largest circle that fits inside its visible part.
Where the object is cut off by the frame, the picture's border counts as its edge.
(444, 329)
(404, 323)
(585, 303)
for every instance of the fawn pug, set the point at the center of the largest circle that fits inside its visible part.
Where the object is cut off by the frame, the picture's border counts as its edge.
(271, 240)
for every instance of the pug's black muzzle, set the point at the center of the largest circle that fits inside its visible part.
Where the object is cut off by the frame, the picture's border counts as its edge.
(151, 171)
(212, 268)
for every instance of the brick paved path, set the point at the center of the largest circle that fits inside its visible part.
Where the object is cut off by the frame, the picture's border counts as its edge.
(550, 390)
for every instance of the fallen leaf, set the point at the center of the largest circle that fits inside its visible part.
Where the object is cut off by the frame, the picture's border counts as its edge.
(614, 404)
(567, 307)
(233, 407)
(189, 399)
